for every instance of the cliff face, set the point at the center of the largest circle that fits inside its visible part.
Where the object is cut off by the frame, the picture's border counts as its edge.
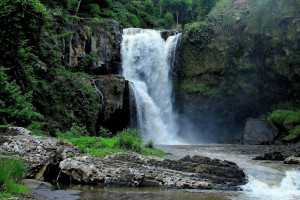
(243, 61)
(82, 48)
(94, 45)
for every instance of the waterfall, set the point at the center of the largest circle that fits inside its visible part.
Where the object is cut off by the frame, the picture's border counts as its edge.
(97, 90)
(146, 63)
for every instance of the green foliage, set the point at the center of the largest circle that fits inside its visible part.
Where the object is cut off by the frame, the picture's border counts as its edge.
(85, 63)
(199, 34)
(287, 122)
(15, 107)
(11, 171)
(39, 128)
(129, 139)
(69, 99)
(103, 132)
(168, 20)
(74, 132)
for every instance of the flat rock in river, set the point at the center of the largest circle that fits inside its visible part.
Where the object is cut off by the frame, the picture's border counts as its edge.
(134, 170)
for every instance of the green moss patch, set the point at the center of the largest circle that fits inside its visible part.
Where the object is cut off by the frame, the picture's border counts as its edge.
(288, 122)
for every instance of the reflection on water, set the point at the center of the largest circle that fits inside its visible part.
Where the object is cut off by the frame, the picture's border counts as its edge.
(154, 193)
(267, 180)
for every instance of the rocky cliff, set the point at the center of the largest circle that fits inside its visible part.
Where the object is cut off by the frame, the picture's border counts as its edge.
(95, 42)
(70, 57)
(241, 62)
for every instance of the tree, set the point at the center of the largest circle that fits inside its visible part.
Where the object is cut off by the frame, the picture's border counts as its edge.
(15, 107)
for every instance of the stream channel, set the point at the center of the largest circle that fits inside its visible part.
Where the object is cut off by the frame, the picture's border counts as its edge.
(267, 179)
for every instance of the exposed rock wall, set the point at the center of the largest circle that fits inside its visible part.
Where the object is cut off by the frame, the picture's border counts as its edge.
(115, 108)
(100, 40)
(240, 63)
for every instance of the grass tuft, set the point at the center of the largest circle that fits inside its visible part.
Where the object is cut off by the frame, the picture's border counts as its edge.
(11, 172)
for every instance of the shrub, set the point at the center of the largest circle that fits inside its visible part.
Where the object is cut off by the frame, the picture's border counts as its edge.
(168, 20)
(149, 144)
(15, 107)
(75, 131)
(199, 34)
(129, 139)
(103, 132)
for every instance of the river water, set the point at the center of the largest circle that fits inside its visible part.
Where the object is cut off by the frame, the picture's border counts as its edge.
(267, 180)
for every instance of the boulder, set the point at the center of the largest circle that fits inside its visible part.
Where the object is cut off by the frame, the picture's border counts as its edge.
(39, 153)
(134, 170)
(292, 160)
(275, 156)
(258, 132)
(167, 33)
(38, 185)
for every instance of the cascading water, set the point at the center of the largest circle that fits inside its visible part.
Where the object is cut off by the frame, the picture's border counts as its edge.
(147, 60)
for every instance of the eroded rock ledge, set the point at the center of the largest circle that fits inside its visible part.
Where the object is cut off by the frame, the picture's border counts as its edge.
(50, 159)
(134, 170)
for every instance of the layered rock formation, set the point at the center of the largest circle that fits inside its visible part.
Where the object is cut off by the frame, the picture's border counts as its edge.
(39, 153)
(51, 160)
(134, 170)
(100, 40)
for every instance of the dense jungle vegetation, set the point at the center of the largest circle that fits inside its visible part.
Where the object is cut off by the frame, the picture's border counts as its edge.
(31, 64)
(240, 51)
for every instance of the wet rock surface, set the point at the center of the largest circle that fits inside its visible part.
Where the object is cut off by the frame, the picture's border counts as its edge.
(295, 160)
(134, 170)
(115, 94)
(276, 156)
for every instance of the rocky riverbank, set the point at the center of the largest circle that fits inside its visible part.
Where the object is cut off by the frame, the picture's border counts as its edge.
(49, 159)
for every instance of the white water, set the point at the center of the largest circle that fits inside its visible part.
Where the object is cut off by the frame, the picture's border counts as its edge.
(287, 188)
(147, 60)
(267, 180)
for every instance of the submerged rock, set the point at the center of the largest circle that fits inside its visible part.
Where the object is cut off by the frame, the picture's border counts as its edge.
(37, 185)
(134, 170)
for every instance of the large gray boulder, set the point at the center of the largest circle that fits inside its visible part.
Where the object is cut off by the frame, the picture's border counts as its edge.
(258, 132)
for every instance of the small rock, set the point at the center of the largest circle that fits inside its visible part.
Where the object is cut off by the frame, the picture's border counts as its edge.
(292, 160)
(275, 156)
(40, 185)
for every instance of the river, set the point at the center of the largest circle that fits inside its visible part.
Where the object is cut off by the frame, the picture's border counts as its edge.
(267, 179)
